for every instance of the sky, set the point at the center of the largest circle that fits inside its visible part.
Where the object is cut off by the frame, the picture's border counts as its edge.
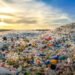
(36, 14)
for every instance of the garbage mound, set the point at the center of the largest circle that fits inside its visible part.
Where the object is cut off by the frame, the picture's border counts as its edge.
(51, 52)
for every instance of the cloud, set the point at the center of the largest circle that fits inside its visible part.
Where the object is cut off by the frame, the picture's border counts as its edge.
(36, 12)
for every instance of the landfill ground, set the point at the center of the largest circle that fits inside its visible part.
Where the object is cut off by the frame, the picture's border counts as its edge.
(38, 52)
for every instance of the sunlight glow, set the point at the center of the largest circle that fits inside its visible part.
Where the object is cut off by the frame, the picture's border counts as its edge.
(3, 24)
(7, 10)
(5, 17)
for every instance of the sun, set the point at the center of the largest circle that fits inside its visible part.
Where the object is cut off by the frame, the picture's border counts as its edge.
(7, 10)
(6, 13)
(3, 24)
(3, 18)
